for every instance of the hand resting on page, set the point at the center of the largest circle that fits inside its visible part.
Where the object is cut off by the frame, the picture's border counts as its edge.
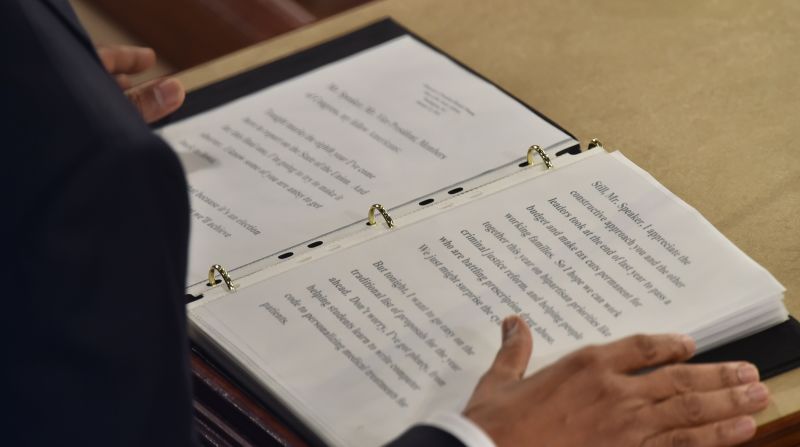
(596, 397)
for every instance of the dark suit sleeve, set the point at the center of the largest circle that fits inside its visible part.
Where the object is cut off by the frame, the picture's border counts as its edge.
(95, 238)
(425, 435)
(101, 351)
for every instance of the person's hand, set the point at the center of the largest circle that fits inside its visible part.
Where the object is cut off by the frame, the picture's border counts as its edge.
(598, 396)
(154, 99)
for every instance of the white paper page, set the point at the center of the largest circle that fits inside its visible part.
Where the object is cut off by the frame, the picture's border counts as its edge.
(378, 336)
(310, 155)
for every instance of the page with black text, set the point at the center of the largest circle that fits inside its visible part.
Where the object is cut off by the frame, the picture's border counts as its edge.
(310, 155)
(366, 341)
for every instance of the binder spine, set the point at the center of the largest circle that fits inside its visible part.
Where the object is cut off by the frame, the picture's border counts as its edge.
(532, 153)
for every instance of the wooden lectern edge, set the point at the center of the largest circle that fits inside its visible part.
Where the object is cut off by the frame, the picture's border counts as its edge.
(225, 414)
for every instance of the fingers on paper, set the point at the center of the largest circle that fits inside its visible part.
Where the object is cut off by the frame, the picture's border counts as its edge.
(512, 359)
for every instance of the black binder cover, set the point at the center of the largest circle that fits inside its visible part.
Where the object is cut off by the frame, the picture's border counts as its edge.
(773, 351)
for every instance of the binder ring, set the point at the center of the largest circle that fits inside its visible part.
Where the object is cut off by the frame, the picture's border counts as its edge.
(593, 143)
(378, 207)
(223, 273)
(537, 150)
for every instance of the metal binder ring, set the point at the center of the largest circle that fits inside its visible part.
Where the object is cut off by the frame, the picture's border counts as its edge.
(593, 143)
(378, 207)
(537, 150)
(223, 273)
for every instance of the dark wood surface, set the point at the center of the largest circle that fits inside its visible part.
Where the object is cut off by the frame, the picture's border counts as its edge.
(225, 415)
(189, 32)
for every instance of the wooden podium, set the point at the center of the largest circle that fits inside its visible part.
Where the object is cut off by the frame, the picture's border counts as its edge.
(703, 95)
(225, 415)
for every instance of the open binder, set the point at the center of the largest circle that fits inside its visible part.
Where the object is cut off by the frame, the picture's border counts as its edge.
(770, 362)
(783, 339)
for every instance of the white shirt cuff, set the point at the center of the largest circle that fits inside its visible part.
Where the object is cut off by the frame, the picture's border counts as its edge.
(461, 428)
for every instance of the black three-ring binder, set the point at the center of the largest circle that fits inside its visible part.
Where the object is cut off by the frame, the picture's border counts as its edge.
(774, 351)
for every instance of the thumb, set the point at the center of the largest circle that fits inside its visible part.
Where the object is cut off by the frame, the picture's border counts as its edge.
(157, 99)
(514, 354)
